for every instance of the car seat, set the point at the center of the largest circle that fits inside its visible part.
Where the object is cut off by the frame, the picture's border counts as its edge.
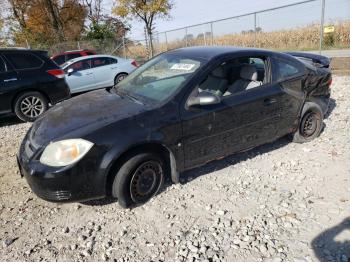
(248, 79)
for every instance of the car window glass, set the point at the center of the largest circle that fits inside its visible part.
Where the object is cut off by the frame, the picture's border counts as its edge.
(100, 61)
(24, 60)
(285, 69)
(60, 59)
(2, 66)
(236, 76)
(113, 60)
(159, 78)
(71, 56)
(80, 65)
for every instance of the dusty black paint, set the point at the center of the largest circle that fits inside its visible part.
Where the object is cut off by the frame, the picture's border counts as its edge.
(191, 136)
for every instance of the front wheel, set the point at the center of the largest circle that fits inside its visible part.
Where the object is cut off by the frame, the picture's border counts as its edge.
(138, 179)
(29, 106)
(310, 125)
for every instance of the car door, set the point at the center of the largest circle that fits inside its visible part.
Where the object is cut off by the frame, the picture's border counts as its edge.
(8, 84)
(241, 121)
(82, 78)
(103, 71)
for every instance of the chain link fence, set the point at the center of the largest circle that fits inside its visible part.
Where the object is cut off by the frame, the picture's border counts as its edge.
(307, 25)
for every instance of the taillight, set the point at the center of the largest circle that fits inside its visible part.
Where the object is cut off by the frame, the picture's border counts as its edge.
(134, 63)
(329, 83)
(59, 73)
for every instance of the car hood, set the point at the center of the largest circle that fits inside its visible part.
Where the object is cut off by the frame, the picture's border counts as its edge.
(79, 115)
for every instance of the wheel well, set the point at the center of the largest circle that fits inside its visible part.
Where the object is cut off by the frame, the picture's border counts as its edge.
(149, 147)
(120, 74)
(26, 91)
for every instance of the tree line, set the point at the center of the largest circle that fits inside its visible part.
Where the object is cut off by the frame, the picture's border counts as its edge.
(46, 22)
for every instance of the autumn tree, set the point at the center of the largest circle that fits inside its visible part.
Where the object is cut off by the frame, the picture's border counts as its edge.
(47, 21)
(146, 11)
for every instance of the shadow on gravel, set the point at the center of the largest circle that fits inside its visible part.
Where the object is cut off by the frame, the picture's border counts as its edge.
(9, 120)
(216, 165)
(331, 106)
(330, 245)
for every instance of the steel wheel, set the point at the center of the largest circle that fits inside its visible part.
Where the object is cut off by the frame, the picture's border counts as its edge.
(146, 181)
(309, 124)
(32, 106)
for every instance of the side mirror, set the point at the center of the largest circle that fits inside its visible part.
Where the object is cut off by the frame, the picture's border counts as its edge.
(204, 98)
(70, 71)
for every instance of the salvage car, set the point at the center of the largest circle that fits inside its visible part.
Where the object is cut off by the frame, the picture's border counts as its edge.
(29, 83)
(180, 110)
(96, 71)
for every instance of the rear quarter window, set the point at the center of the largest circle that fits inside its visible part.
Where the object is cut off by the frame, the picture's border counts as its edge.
(286, 69)
(22, 61)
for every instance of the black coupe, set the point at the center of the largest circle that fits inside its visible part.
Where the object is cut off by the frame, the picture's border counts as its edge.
(181, 109)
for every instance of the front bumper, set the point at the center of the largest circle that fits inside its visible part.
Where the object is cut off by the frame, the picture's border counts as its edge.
(78, 182)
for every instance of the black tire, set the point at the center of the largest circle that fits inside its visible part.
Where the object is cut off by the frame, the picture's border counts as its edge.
(141, 167)
(119, 78)
(311, 123)
(30, 105)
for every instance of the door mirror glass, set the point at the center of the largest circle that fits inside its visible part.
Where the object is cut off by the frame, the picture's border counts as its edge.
(203, 98)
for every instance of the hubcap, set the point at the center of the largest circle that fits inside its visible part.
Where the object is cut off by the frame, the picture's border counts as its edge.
(120, 78)
(32, 106)
(145, 181)
(309, 124)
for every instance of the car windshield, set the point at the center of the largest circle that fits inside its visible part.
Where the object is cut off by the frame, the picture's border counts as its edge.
(160, 78)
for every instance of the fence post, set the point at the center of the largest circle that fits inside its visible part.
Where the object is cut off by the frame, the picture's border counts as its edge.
(255, 30)
(212, 33)
(78, 45)
(166, 41)
(322, 24)
(124, 49)
(186, 36)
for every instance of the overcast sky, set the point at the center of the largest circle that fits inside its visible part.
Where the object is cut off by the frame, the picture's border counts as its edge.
(188, 12)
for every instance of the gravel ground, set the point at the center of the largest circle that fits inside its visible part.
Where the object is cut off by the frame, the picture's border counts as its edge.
(279, 202)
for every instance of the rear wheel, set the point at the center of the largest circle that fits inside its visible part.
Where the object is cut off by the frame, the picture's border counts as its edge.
(139, 178)
(120, 77)
(311, 123)
(29, 106)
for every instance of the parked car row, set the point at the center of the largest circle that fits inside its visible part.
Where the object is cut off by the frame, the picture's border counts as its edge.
(31, 82)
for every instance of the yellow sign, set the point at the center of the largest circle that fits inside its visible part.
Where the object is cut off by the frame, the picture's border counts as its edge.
(329, 29)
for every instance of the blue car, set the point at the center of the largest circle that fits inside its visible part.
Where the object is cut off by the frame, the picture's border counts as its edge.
(96, 71)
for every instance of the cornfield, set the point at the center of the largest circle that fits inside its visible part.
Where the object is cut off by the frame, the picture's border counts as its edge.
(302, 38)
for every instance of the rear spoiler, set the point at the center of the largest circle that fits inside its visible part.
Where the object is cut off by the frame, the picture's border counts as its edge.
(316, 60)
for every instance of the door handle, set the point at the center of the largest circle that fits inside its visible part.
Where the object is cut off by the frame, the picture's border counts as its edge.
(88, 74)
(10, 79)
(269, 101)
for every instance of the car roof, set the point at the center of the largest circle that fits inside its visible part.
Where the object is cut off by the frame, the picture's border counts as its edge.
(210, 52)
(69, 62)
(20, 49)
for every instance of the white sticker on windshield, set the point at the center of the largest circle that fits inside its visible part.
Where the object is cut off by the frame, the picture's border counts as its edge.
(181, 66)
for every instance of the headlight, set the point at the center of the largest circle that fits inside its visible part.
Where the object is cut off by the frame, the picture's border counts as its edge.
(65, 152)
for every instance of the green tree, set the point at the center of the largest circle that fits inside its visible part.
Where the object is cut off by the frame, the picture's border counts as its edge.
(144, 10)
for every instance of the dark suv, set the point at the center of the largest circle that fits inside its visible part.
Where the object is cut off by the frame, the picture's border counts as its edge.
(29, 82)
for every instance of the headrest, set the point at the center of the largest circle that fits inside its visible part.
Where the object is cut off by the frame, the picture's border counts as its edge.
(219, 72)
(249, 72)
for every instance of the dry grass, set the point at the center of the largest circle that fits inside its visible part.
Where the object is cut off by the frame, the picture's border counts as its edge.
(302, 38)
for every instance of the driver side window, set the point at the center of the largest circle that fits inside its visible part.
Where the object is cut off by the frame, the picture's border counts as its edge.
(236, 76)
(80, 65)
